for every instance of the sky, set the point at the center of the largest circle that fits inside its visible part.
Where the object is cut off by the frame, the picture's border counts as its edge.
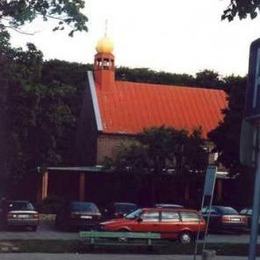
(175, 36)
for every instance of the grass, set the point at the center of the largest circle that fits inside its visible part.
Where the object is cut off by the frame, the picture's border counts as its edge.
(76, 246)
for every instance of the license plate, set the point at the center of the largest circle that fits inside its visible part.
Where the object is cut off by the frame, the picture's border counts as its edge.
(23, 216)
(86, 217)
(236, 219)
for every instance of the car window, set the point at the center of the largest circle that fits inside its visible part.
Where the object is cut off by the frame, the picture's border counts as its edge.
(189, 216)
(170, 217)
(212, 211)
(84, 206)
(20, 205)
(125, 208)
(150, 216)
(227, 210)
(204, 210)
(243, 211)
(207, 211)
(135, 214)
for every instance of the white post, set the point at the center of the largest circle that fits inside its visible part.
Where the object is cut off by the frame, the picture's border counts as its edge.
(198, 233)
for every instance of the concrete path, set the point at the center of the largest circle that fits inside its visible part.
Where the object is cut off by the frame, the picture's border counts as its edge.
(39, 256)
(57, 235)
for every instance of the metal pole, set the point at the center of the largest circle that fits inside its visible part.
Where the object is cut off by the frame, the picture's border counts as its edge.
(198, 233)
(208, 219)
(256, 202)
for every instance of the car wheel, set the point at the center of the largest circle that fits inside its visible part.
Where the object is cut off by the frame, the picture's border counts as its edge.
(185, 237)
(123, 230)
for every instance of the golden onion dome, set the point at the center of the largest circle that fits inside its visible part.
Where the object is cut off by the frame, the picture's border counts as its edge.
(105, 45)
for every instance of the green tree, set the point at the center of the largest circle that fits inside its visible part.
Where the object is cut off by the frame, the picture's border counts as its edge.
(205, 78)
(226, 136)
(38, 116)
(14, 14)
(241, 9)
(209, 79)
(158, 149)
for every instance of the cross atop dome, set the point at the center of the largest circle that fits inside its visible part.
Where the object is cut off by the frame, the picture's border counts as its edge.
(105, 44)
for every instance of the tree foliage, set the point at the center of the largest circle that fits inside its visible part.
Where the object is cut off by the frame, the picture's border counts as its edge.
(241, 9)
(14, 14)
(159, 149)
(205, 78)
(226, 136)
(38, 113)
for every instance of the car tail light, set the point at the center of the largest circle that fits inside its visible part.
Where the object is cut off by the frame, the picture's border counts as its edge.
(244, 219)
(225, 219)
(35, 215)
(10, 215)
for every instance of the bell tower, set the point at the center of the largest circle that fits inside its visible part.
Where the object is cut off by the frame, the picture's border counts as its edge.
(104, 64)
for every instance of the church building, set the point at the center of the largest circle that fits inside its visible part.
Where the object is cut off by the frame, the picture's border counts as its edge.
(116, 111)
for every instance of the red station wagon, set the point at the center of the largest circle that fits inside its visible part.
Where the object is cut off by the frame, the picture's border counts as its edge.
(182, 224)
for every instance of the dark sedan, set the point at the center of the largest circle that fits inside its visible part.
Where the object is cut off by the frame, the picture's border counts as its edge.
(224, 219)
(78, 215)
(119, 209)
(248, 212)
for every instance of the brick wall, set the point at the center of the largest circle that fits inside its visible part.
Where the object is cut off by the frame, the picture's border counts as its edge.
(108, 145)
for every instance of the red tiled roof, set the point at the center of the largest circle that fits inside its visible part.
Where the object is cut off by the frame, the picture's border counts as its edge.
(128, 107)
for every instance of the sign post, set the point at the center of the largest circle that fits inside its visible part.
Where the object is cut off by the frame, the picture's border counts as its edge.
(251, 134)
(256, 207)
(208, 192)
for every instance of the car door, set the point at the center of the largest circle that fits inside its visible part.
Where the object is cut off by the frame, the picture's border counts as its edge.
(190, 221)
(170, 222)
(147, 222)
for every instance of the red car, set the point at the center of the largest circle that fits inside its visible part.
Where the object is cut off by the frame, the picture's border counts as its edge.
(182, 224)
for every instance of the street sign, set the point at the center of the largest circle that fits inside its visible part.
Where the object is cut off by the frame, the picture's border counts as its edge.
(252, 105)
(248, 143)
(250, 136)
(210, 180)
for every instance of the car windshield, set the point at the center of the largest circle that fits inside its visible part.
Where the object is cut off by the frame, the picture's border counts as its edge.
(20, 205)
(84, 206)
(125, 207)
(135, 214)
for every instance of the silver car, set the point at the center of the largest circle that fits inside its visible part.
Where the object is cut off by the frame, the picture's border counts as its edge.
(21, 213)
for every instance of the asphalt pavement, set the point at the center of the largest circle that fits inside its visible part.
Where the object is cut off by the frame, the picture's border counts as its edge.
(40, 256)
